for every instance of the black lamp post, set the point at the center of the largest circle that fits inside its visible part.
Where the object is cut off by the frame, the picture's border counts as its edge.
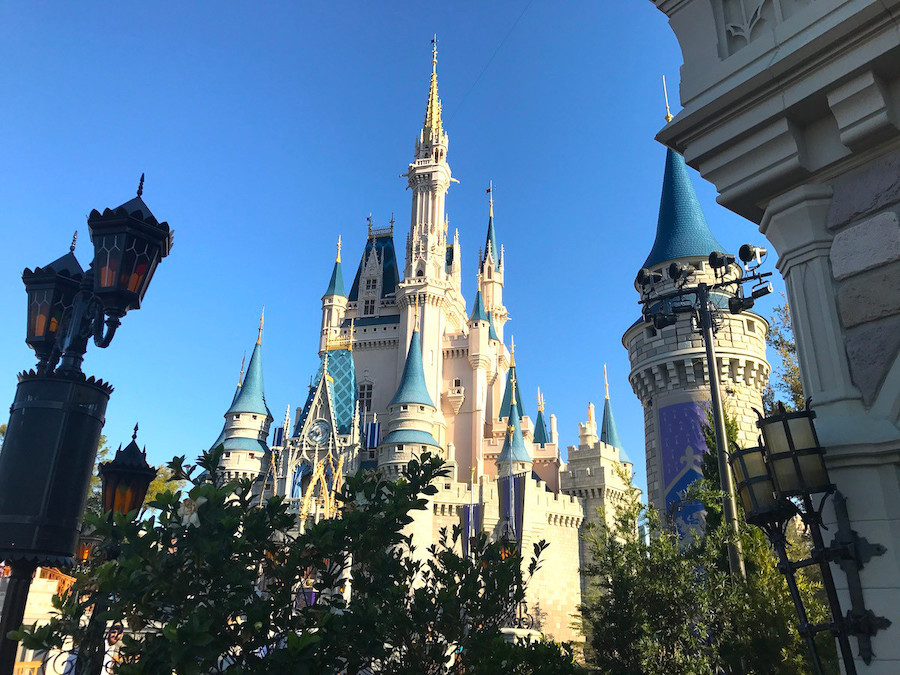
(125, 481)
(778, 481)
(58, 413)
(696, 299)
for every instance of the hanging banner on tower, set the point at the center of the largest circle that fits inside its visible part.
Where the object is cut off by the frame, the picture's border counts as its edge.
(683, 446)
(471, 526)
(512, 504)
(278, 437)
(373, 434)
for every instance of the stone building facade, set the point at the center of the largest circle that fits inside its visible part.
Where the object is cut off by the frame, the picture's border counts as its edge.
(791, 109)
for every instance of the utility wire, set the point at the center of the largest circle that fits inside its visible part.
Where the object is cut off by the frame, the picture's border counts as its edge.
(459, 105)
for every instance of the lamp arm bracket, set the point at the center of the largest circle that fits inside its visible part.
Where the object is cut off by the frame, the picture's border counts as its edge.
(850, 551)
(104, 331)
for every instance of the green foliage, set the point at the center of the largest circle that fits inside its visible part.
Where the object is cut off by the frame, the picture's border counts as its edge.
(787, 375)
(94, 503)
(210, 582)
(2, 433)
(669, 605)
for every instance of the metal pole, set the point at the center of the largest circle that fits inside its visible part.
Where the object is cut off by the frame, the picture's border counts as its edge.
(735, 554)
(830, 590)
(14, 611)
(776, 536)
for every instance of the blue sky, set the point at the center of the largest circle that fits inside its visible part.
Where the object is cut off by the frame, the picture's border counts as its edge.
(267, 129)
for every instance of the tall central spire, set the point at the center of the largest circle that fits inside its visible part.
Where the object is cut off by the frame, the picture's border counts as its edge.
(433, 129)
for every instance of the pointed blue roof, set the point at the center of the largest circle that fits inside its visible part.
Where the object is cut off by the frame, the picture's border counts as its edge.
(412, 387)
(681, 230)
(336, 285)
(251, 398)
(478, 313)
(492, 332)
(507, 394)
(514, 443)
(541, 437)
(490, 243)
(609, 434)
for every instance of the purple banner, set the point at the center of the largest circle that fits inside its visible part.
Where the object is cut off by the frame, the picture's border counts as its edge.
(682, 446)
(471, 525)
(512, 504)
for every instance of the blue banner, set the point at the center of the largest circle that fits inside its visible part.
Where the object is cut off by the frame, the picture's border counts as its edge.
(301, 471)
(373, 434)
(512, 504)
(278, 437)
(471, 526)
(683, 445)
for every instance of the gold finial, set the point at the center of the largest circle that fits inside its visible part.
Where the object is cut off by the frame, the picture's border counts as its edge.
(591, 418)
(669, 117)
(262, 319)
(433, 124)
(472, 474)
(352, 333)
(338, 259)
(392, 220)
(479, 279)
(434, 53)
(416, 320)
(74, 240)
(512, 351)
(140, 189)
(540, 401)
(605, 382)
(369, 221)
(241, 376)
(490, 192)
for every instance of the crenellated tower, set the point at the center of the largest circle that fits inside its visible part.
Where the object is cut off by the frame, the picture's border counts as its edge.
(668, 365)
(334, 304)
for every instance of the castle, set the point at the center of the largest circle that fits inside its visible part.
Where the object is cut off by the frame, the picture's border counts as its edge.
(407, 367)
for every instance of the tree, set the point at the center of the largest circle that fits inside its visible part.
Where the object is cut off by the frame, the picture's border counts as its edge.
(787, 375)
(668, 604)
(213, 581)
(2, 433)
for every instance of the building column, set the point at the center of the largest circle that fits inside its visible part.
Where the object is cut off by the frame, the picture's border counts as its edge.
(862, 441)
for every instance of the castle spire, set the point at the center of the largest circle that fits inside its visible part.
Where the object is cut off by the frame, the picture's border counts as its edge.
(251, 398)
(262, 319)
(512, 393)
(681, 229)
(541, 437)
(412, 387)
(609, 434)
(433, 128)
(336, 283)
(514, 450)
(490, 244)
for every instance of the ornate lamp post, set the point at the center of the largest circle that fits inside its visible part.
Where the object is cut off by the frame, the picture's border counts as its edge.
(662, 309)
(778, 481)
(58, 412)
(125, 481)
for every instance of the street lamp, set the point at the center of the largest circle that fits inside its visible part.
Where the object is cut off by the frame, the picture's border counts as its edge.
(125, 481)
(662, 308)
(777, 481)
(58, 412)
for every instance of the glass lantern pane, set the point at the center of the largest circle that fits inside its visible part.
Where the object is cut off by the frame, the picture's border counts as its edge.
(815, 475)
(764, 493)
(785, 473)
(108, 255)
(802, 432)
(775, 437)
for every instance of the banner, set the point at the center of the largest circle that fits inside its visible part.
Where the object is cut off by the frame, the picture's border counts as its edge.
(373, 434)
(471, 526)
(512, 504)
(300, 472)
(278, 437)
(683, 446)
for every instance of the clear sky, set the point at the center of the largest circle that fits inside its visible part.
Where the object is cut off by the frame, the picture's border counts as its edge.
(267, 129)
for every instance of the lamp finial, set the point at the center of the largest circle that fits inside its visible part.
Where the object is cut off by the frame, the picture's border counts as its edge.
(140, 189)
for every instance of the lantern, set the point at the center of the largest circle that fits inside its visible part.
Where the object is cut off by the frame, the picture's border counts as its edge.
(796, 460)
(128, 245)
(126, 478)
(755, 488)
(51, 290)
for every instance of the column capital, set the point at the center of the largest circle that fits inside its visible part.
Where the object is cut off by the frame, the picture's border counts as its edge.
(795, 224)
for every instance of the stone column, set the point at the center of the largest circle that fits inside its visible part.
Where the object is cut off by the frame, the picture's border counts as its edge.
(859, 431)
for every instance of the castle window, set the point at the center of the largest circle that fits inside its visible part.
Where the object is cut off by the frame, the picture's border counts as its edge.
(421, 408)
(227, 454)
(651, 332)
(751, 326)
(368, 307)
(365, 397)
(404, 407)
(252, 455)
(457, 382)
(254, 417)
(371, 284)
(237, 417)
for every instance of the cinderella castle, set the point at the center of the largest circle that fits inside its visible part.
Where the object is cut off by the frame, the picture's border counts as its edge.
(407, 366)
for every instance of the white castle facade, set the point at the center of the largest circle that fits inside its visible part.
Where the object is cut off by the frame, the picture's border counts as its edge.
(407, 366)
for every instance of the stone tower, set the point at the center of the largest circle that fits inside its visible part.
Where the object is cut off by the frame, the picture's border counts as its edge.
(668, 366)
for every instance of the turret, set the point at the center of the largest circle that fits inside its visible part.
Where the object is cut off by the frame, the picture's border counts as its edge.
(479, 334)
(514, 457)
(541, 434)
(247, 422)
(491, 270)
(668, 363)
(334, 303)
(511, 393)
(412, 412)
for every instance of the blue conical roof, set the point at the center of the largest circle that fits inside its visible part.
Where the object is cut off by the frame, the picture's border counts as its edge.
(336, 285)
(541, 437)
(490, 244)
(681, 230)
(609, 434)
(251, 398)
(412, 387)
(492, 332)
(478, 312)
(508, 394)
(514, 443)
